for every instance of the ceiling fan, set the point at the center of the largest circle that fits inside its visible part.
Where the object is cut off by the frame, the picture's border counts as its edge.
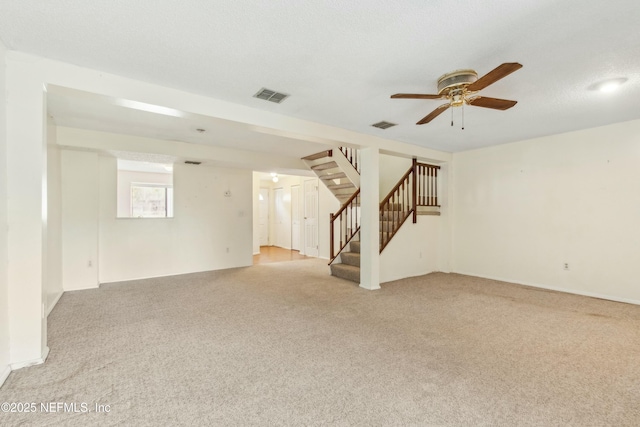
(459, 88)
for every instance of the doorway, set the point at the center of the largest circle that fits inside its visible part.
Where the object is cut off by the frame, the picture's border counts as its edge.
(286, 218)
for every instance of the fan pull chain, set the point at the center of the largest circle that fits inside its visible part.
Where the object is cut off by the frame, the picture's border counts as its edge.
(463, 116)
(452, 116)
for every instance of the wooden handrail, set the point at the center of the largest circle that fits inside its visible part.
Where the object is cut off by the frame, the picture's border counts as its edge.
(344, 205)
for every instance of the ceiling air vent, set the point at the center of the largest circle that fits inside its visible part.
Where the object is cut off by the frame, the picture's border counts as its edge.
(271, 95)
(191, 162)
(383, 125)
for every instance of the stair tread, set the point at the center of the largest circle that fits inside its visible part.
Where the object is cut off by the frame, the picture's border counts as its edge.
(323, 166)
(350, 258)
(342, 266)
(345, 271)
(320, 155)
(333, 176)
(340, 186)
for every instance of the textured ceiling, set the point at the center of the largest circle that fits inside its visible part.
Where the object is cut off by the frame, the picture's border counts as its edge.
(341, 60)
(77, 109)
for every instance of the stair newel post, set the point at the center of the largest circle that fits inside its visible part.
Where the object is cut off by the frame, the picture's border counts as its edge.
(414, 189)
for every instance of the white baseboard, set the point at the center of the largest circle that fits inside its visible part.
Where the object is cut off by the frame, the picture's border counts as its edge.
(555, 288)
(4, 375)
(55, 301)
(39, 361)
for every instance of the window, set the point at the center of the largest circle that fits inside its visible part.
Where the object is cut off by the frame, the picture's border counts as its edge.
(145, 190)
(151, 200)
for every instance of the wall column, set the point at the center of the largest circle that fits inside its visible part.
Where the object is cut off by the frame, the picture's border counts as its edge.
(27, 213)
(370, 218)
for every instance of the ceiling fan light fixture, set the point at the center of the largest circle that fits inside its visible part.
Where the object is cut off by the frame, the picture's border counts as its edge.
(459, 88)
(456, 80)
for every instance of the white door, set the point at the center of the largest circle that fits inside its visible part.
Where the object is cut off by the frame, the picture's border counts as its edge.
(311, 217)
(264, 217)
(282, 224)
(295, 217)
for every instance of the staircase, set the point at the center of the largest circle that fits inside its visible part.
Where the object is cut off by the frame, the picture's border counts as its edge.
(337, 172)
(414, 194)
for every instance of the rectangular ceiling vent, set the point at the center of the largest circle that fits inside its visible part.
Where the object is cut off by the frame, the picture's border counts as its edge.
(271, 95)
(191, 162)
(384, 125)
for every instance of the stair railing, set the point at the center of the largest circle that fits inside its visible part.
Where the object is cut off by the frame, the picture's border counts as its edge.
(396, 207)
(417, 187)
(353, 155)
(427, 184)
(346, 223)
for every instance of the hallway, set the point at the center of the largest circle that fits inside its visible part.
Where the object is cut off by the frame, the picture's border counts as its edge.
(276, 254)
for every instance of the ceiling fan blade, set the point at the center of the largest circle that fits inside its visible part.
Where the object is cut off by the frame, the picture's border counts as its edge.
(500, 72)
(416, 96)
(435, 113)
(495, 103)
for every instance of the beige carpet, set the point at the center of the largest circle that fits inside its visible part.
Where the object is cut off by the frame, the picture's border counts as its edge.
(287, 344)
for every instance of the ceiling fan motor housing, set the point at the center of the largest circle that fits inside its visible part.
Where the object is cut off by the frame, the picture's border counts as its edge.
(456, 80)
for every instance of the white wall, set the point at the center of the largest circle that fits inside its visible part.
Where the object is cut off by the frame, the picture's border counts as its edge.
(413, 251)
(53, 282)
(522, 210)
(80, 198)
(208, 232)
(392, 168)
(4, 288)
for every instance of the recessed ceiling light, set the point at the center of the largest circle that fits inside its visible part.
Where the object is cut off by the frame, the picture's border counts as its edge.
(609, 85)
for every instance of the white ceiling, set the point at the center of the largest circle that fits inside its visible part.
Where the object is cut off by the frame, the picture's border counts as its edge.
(78, 109)
(341, 60)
